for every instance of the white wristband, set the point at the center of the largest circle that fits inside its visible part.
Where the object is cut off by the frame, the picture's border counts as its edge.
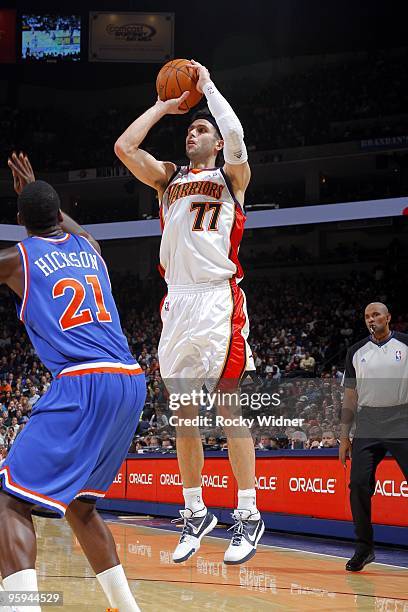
(230, 127)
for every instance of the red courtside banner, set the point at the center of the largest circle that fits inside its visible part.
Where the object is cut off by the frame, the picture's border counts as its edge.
(117, 490)
(315, 486)
(218, 482)
(141, 479)
(390, 500)
(159, 480)
(169, 484)
(312, 487)
(7, 36)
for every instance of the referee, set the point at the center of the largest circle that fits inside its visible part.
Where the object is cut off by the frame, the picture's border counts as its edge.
(376, 396)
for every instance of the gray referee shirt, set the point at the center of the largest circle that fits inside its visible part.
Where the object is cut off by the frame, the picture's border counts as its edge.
(379, 371)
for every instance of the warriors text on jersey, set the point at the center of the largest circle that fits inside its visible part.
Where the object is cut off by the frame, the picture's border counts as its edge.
(205, 322)
(67, 306)
(202, 226)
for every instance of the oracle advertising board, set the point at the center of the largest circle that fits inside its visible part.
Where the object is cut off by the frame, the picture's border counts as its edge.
(117, 490)
(159, 480)
(308, 487)
(141, 479)
(315, 486)
(218, 483)
(390, 499)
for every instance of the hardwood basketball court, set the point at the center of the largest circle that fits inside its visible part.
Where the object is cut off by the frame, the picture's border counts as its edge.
(277, 578)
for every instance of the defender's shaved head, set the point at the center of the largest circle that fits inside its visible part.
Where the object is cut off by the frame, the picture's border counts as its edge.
(38, 206)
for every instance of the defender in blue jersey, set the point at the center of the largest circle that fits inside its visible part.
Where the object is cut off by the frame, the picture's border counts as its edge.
(80, 431)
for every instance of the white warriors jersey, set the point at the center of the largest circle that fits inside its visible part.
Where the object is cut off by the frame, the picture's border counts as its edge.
(202, 225)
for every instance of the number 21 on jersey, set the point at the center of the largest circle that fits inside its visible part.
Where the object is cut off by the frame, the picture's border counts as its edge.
(73, 316)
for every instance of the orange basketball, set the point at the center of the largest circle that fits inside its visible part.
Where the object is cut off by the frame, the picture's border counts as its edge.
(174, 79)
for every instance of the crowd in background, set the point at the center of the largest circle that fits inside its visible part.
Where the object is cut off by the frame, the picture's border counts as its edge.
(363, 98)
(331, 103)
(300, 330)
(347, 251)
(301, 326)
(334, 102)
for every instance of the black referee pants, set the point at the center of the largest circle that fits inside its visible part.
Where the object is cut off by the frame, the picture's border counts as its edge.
(366, 454)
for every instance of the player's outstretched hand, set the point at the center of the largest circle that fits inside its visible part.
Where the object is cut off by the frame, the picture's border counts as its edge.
(172, 107)
(22, 171)
(344, 450)
(202, 74)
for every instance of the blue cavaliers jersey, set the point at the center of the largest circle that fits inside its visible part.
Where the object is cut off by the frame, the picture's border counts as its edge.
(67, 306)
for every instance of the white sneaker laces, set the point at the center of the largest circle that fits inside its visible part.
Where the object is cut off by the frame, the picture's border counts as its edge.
(186, 531)
(238, 528)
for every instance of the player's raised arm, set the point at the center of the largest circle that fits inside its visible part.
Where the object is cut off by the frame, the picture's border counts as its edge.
(23, 174)
(144, 166)
(235, 153)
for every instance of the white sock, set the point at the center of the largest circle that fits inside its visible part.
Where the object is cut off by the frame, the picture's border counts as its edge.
(247, 501)
(193, 499)
(25, 580)
(117, 590)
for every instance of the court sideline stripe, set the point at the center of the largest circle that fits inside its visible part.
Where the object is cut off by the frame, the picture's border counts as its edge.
(299, 550)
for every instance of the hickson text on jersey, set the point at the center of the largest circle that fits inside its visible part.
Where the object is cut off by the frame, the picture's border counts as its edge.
(57, 260)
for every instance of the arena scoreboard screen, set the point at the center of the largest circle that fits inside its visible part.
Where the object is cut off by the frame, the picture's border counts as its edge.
(51, 37)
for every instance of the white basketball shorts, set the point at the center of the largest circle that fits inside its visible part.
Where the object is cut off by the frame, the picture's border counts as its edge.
(205, 331)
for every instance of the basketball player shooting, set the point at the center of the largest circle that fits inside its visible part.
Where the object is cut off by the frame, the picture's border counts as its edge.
(205, 323)
(79, 432)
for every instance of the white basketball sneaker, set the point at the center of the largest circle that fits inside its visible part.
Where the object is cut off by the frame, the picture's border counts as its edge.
(245, 537)
(194, 529)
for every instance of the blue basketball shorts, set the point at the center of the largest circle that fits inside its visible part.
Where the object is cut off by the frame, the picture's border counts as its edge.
(76, 439)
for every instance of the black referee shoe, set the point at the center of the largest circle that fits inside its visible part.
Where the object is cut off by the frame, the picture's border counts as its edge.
(360, 559)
